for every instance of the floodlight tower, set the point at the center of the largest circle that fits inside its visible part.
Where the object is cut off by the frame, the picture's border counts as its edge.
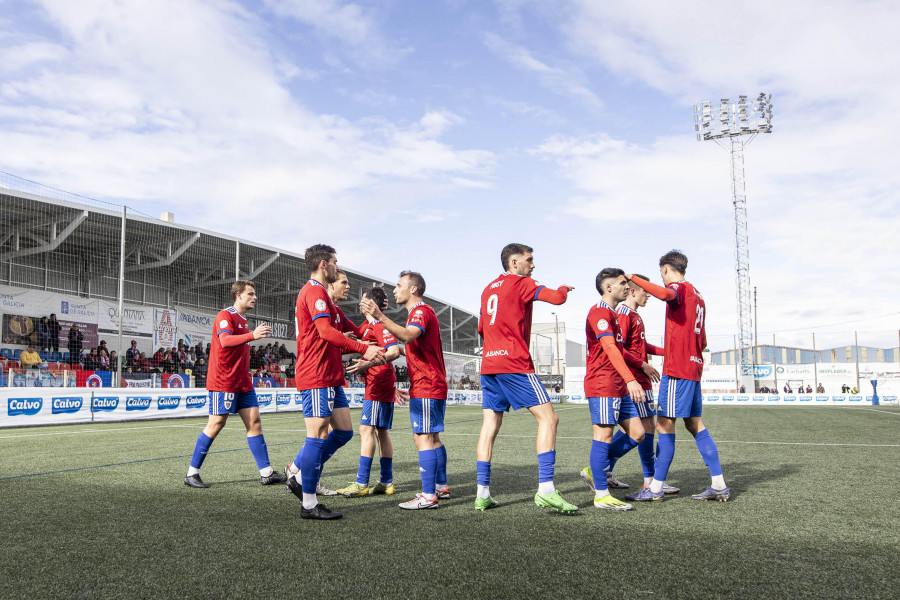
(733, 125)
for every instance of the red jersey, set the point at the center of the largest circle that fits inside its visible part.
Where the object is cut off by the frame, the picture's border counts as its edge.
(345, 324)
(380, 379)
(425, 356)
(632, 327)
(601, 379)
(229, 368)
(506, 307)
(319, 363)
(685, 332)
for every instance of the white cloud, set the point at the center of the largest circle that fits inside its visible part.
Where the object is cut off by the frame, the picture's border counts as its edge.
(354, 25)
(566, 82)
(183, 102)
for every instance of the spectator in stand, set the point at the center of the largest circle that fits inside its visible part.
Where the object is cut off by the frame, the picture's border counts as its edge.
(190, 359)
(255, 359)
(743, 390)
(76, 341)
(53, 324)
(143, 364)
(208, 348)
(808, 389)
(182, 356)
(820, 389)
(845, 389)
(113, 361)
(91, 360)
(787, 389)
(102, 346)
(198, 351)
(103, 359)
(156, 362)
(44, 334)
(132, 354)
(29, 359)
(200, 370)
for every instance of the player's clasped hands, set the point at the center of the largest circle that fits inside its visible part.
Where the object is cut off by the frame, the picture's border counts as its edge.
(262, 331)
(374, 354)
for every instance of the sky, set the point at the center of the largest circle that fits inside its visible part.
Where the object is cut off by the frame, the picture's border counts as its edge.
(427, 135)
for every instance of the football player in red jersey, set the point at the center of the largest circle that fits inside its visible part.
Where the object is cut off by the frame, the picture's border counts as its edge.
(338, 292)
(428, 383)
(679, 390)
(507, 372)
(319, 375)
(378, 407)
(611, 388)
(230, 387)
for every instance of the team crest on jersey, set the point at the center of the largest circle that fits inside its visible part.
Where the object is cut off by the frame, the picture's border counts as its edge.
(602, 325)
(223, 324)
(320, 304)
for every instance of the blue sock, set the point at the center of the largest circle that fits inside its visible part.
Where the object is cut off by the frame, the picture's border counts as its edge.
(613, 460)
(311, 463)
(441, 478)
(335, 439)
(484, 472)
(201, 449)
(365, 468)
(259, 451)
(599, 461)
(619, 448)
(387, 470)
(665, 452)
(546, 466)
(709, 452)
(428, 469)
(645, 450)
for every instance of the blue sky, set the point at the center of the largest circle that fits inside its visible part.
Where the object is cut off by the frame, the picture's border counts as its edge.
(427, 135)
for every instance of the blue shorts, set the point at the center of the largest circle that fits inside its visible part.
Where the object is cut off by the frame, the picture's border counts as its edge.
(519, 390)
(646, 409)
(229, 403)
(610, 410)
(379, 415)
(320, 402)
(427, 415)
(679, 398)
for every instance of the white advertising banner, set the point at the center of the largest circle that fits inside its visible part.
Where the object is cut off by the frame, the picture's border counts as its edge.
(38, 303)
(37, 406)
(165, 327)
(136, 320)
(194, 327)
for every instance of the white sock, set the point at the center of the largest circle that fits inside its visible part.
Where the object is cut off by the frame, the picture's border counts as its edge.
(442, 489)
(656, 486)
(647, 480)
(546, 487)
(718, 482)
(309, 501)
(484, 491)
(266, 472)
(193, 471)
(298, 477)
(598, 493)
(292, 469)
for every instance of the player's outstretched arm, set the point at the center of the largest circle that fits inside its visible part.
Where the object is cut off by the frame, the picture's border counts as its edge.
(229, 340)
(657, 291)
(557, 296)
(361, 366)
(335, 337)
(405, 334)
(655, 350)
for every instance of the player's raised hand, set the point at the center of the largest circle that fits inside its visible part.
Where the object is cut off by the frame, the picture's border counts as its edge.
(368, 307)
(635, 391)
(650, 372)
(566, 285)
(262, 331)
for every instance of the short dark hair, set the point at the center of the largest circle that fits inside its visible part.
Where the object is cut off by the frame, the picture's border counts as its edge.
(675, 259)
(511, 250)
(377, 295)
(417, 280)
(238, 287)
(607, 273)
(316, 254)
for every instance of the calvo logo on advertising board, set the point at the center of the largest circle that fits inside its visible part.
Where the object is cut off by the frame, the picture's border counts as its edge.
(106, 403)
(283, 399)
(66, 404)
(138, 402)
(195, 401)
(168, 402)
(264, 399)
(24, 406)
(759, 371)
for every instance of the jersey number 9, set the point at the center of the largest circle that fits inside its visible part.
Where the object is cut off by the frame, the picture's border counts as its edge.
(492, 302)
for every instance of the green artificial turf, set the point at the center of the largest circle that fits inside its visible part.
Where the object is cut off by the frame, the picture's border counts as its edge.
(100, 511)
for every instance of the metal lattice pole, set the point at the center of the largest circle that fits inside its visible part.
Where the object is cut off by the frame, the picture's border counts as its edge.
(737, 122)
